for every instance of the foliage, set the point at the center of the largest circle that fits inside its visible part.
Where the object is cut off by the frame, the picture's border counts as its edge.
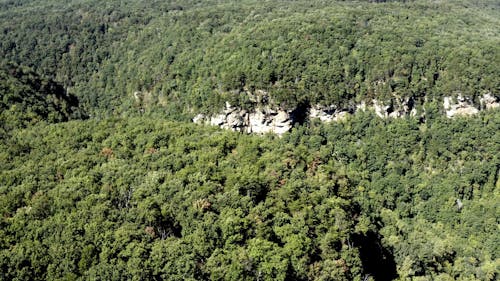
(142, 198)
(186, 55)
(135, 192)
(26, 98)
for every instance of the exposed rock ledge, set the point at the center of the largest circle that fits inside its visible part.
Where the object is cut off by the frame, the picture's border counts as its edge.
(461, 106)
(263, 118)
(328, 113)
(488, 101)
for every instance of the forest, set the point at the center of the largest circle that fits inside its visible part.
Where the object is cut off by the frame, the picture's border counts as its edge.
(98, 185)
(191, 56)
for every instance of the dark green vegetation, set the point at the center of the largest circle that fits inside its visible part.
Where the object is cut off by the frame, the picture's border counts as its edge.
(136, 193)
(147, 199)
(196, 54)
(27, 99)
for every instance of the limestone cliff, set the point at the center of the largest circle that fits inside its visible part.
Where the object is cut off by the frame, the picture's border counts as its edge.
(260, 120)
(265, 117)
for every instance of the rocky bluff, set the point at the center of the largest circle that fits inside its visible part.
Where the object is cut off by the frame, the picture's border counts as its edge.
(266, 117)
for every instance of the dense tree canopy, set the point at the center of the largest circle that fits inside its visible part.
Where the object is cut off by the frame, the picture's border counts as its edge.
(194, 55)
(103, 178)
(141, 198)
(27, 98)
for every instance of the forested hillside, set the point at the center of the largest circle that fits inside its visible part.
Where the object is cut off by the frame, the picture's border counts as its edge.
(191, 56)
(103, 175)
(27, 98)
(145, 199)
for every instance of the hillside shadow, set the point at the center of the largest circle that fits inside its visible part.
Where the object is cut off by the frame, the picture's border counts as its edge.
(377, 260)
(300, 114)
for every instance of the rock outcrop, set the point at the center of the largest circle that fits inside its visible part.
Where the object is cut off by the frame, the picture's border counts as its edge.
(488, 101)
(382, 110)
(462, 106)
(261, 120)
(328, 113)
(265, 118)
(459, 106)
(395, 108)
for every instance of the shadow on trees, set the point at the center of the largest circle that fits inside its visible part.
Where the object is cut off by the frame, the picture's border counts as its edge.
(377, 260)
(300, 114)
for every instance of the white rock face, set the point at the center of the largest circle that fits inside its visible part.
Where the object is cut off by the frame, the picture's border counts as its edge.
(327, 114)
(488, 101)
(397, 108)
(413, 112)
(404, 107)
(137, 96)
(380, 109)
(265, 118)
(199, 119)
(361, 106)
(461, 107)
(218, 120)
(260, 121)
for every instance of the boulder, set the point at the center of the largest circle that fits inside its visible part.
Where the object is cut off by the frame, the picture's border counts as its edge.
(488, 101)
(458, 107)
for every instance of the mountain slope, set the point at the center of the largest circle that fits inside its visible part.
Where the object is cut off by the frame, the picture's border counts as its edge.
(26, 98)
(141, 198)
(138, 192)
(191, 57)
